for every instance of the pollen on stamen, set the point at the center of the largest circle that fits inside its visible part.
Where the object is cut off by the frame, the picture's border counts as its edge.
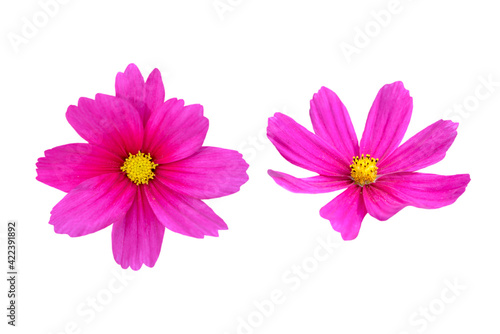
(364, 170)
(139, 168)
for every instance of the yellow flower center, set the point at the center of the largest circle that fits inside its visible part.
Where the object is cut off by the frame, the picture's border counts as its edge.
(364, 170)
(139, 168)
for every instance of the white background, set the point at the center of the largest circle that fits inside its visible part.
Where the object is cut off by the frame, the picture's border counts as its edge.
(244, 65)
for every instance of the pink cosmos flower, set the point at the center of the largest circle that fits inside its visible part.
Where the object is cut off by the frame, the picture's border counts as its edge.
(378, 173)
(144, 168)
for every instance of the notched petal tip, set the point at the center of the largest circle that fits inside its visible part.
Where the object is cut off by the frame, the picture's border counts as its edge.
(198, 107)
(83, 100)
(451, 124)
(277, 115)
(396, 84)
(468, 178)
(274, 122)
(104, 98)
(324, 91)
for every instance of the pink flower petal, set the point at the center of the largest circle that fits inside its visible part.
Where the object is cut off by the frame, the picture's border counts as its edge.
(380, 201)
(211, 172)
(387, 121)
(65, 167)
(108, 122)
(154, 92)
(183, 214)
(175, 131)
(310, 185)
(93, 205)
(426, 148)
(144, 97)
(305, 149)
(130, 86)
(331, 122)
(393, 192)
(346, 212)
(138, 237)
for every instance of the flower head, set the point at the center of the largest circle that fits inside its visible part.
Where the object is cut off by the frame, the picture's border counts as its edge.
(378, 173)
(143, 169)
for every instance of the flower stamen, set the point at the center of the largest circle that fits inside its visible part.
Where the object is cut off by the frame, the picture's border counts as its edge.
(364, 170)
(139, 168)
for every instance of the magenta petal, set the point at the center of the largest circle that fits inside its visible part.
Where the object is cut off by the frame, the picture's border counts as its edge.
(346, 212)
(65, 167)
(108, 122)
(93, 205)
(138, 237)
(310, 185)
(426, 148)
(130, 86)
(381, 202)
(154, 92)
(393, 192)
(387, 121)
(145, 97)
(331, 122)
(211, 172)
(183, 214)
(305, 149)
(175, 131)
